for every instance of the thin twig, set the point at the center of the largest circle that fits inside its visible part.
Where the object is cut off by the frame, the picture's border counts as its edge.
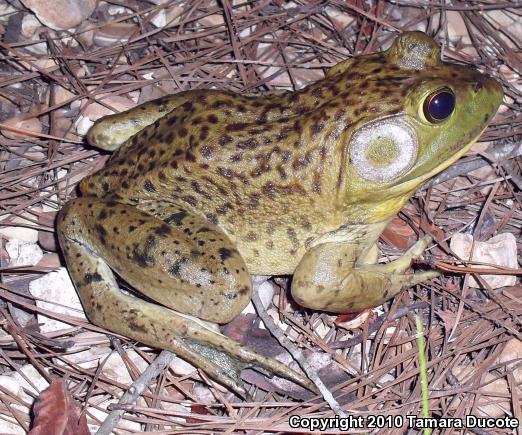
(296, 353)
(135, 390)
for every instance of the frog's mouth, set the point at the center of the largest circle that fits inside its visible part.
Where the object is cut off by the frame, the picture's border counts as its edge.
(412, 182)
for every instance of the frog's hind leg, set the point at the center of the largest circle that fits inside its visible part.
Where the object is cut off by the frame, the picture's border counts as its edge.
(112, 131)
(166, 263)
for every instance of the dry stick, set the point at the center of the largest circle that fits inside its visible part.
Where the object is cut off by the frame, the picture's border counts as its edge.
(138, 386)
(296, 353)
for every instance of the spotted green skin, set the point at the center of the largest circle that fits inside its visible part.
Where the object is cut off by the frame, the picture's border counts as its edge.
(207, 187)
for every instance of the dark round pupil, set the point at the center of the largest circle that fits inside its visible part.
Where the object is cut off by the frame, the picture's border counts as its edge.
(439, 106)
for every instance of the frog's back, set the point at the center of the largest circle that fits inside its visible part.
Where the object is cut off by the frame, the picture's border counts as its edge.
(228, 152)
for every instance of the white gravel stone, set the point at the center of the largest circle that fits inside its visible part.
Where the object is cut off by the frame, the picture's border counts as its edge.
(20, 233)
(114, 368)
(181, 367)
(61, 14)
(22, 253)
(58, 288)
(10, 428)
(39, 382)
(94, 111)
(500, 250)
(100, 415)
(30, 25)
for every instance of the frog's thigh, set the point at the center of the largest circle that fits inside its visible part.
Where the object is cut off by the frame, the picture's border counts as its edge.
(189, 265)
(111, 131)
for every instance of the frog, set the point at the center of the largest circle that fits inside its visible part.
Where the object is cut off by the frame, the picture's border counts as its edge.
(206, 188)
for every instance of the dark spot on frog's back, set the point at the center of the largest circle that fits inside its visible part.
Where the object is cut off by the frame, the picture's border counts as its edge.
(230, 296)
(176, 218)
(171, 120)
(162, 177)
(163, 230)
(149, 186)
(89, 278)
(213, 119)
(225, 253)
(206, 151)
(190, 200)
(100, 230)
(174, 270)
(142, 259)
(237, 126)
(188, 106)
(223, 140)
(137, 327)
(243, 291)
(169, 138)
(212, 218)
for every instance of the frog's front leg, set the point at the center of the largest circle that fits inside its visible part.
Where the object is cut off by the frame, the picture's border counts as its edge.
(188, 265)
(331, 277)
(111, 131)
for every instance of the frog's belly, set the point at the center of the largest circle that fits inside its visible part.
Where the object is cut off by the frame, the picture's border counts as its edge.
(278, 260)
(281, 252)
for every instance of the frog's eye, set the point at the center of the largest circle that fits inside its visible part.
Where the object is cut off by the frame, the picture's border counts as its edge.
(383, 150)
(439, 105)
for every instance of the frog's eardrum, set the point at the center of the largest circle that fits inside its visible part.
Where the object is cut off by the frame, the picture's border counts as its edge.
(384, 150)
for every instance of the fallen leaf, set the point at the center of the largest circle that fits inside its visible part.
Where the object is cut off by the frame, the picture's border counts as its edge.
(352, 320)
(399, 234)
(56, 413)
(196, 409)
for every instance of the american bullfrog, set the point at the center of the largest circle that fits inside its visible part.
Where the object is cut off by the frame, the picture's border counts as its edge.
(207, 187)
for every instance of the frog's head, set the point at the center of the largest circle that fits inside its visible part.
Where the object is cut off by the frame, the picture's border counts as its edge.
(422, 116)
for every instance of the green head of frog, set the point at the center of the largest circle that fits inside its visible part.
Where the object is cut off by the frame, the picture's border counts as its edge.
(419, 116)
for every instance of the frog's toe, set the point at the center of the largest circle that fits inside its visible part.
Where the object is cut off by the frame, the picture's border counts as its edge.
(217, 365)
(404, 281)
(403, 263)
(226, 366)
(418, 248)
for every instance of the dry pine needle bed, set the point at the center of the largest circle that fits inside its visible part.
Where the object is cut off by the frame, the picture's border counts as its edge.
(66, 63)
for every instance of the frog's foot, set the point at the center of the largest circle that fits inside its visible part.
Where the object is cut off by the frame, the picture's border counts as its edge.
(403, 263)
(223, 358)
(166, 263)
(339, 284)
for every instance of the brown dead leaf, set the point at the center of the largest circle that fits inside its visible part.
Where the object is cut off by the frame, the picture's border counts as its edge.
(352, 320)
(437, 233)
(399, 234)
(56, 413)
(196, 409)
